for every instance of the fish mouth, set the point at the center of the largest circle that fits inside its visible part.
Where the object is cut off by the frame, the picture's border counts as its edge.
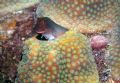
(48, 29)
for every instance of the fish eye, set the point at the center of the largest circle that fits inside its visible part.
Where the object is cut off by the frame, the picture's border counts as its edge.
(41, 37)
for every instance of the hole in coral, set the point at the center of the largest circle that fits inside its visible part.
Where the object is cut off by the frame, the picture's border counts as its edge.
(41, 37)
(48, 29)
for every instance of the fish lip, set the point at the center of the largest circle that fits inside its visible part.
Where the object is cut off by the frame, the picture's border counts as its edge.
(40, 32)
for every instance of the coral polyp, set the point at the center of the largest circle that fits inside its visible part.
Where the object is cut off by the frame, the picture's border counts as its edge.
(64, 60)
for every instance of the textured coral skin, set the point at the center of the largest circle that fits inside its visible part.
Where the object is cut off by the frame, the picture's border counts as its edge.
(10, 6)
(86, 16)
(114, 58)
(67, 59)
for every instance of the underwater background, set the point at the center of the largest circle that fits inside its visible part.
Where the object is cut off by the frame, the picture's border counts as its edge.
(60, 41)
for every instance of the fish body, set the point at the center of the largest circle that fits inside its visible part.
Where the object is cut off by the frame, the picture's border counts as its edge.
(49, 29)
(86, 16)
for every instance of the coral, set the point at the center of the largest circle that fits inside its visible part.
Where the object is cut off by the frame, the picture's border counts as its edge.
(66, 59)
(99, 42)
(83, 16)
(8, 6)
(102, 67)
(1, 78)
(11, 46)
(114, 58)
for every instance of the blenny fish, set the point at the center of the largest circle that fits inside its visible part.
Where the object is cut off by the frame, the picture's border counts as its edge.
(85, 16)
(48, 28)
(67, 59)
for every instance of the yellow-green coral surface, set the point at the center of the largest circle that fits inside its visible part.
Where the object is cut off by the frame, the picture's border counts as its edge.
(7, 6)
(67, 59)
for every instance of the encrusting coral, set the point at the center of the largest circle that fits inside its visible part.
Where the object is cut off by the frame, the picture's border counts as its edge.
(85, 16)
(63, 60)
